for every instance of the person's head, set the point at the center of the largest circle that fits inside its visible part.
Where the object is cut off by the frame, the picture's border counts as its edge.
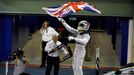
(24, 74)
(83, 26)
(55, 38)
(18, 53)
(45, 24)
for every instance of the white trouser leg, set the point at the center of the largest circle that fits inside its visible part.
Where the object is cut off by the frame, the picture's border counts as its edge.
(77, 63)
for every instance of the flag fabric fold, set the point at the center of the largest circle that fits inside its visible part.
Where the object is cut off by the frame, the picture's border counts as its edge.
(69, 8)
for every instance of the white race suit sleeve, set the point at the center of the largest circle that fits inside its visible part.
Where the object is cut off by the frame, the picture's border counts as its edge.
(84, 40)
(70, 29)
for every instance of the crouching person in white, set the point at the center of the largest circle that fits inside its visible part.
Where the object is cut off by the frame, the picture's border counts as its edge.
(81, 39)
(53, 58)
(20, 63)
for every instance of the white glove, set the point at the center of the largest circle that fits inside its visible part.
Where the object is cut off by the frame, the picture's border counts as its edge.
(61, 20)
(71, 38)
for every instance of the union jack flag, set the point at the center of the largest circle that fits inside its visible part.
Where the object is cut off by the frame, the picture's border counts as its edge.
(69, 8)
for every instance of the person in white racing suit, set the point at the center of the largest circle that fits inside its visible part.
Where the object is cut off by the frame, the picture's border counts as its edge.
(81, 39)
